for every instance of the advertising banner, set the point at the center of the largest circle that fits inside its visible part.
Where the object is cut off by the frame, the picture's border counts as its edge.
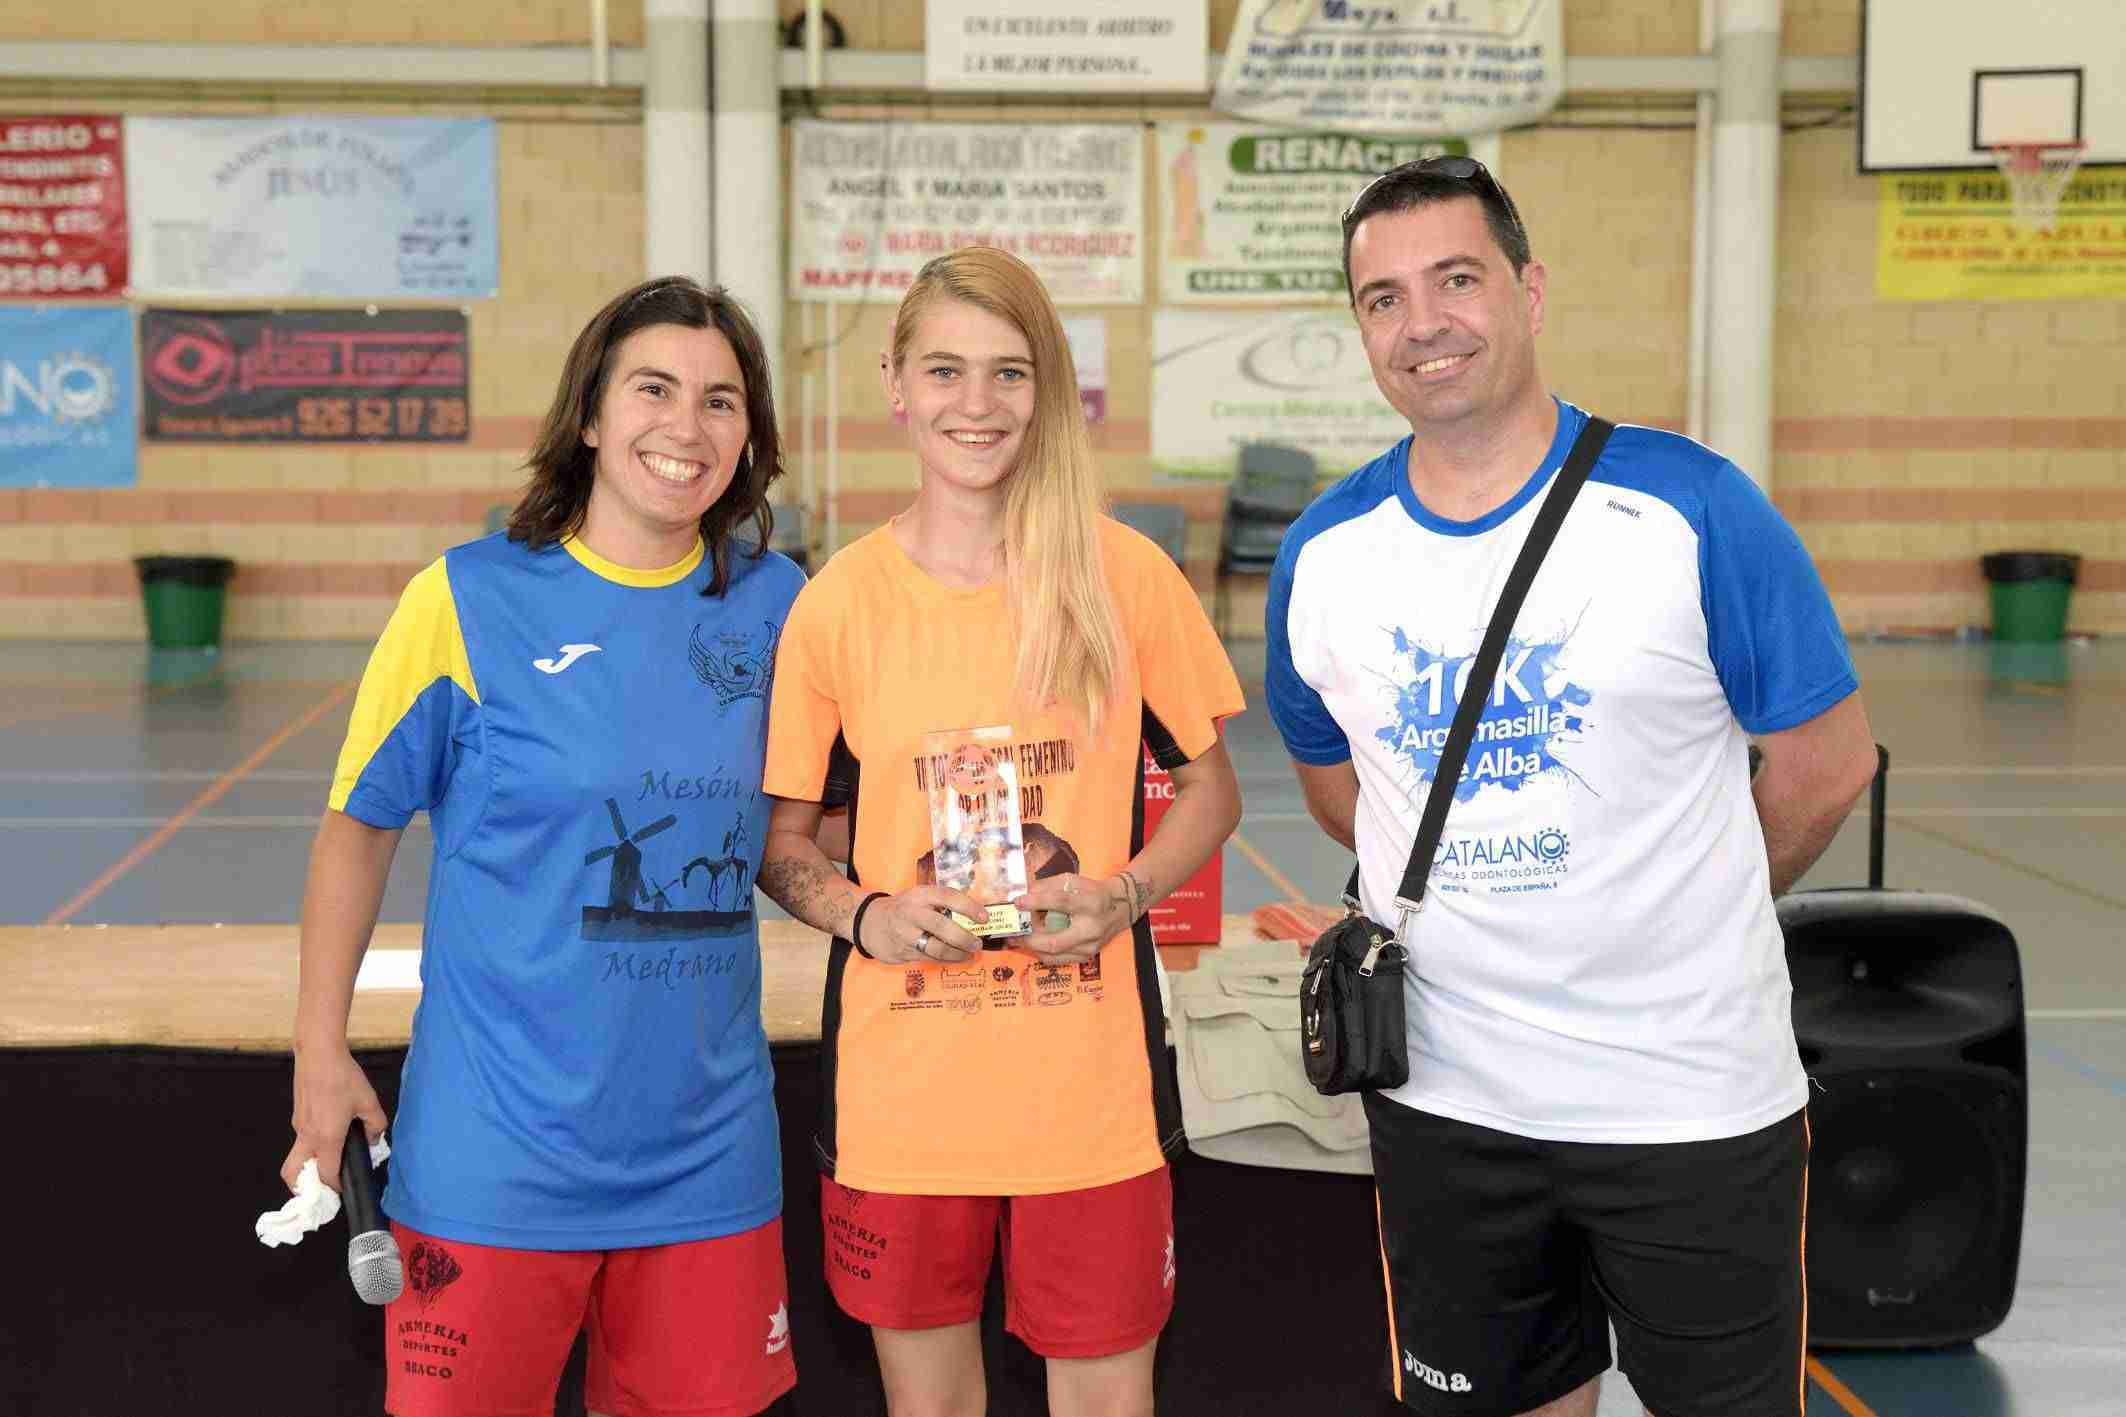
(67, 405)
(1193, 914)
(1251, 214)
(1221, 378)
(1453, 66)
(1067, 46)
(62, 207)
(1088, 355)
(1954, 236)
(871, 202)
(321, 206)
(306, 376)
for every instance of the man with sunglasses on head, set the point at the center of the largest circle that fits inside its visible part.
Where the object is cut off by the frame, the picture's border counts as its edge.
(1605, 1121)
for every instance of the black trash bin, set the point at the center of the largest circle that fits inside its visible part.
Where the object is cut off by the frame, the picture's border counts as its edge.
(184, 597)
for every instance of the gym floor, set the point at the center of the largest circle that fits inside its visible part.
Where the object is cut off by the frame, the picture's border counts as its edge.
(170, 786)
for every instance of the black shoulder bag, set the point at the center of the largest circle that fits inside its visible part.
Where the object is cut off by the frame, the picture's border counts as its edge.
(1351, 996)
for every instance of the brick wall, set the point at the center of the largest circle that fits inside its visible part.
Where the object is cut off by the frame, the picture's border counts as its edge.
(325, 537)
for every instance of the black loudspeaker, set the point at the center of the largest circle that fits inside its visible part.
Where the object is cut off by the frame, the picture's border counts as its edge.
(1908, 1008)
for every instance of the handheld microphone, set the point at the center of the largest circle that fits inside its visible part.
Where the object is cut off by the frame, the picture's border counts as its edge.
(372, 1255)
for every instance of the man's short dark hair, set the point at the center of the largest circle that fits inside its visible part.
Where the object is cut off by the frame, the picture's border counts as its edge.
(1439, 179)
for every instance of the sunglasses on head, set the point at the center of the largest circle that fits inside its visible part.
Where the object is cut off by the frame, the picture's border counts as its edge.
(664, 285)
(1461, 169)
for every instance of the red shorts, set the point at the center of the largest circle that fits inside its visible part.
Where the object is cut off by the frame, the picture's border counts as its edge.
(691, 1330)
(1086, 1273)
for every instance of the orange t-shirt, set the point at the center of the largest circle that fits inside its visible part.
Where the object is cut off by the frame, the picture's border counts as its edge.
(1001, 1076)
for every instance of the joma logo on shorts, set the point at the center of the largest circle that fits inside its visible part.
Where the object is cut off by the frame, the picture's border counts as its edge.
(1432, 1377)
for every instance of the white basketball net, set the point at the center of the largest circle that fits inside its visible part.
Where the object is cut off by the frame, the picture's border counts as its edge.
(2037, 177)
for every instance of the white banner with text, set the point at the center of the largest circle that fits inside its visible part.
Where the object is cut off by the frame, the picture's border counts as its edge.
(1424, 67)
(871, 202)
(314, 206)
(1074, 46)
(1221, 378)
(1251, 214)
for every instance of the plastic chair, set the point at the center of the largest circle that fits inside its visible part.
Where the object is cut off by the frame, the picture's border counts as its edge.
(1272, 485)
(1272, 481)
(1164, 522)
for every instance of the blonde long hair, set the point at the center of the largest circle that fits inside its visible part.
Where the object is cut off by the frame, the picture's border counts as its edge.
(1068, 635)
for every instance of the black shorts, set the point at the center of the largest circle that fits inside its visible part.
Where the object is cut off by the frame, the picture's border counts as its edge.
(1508, 1259)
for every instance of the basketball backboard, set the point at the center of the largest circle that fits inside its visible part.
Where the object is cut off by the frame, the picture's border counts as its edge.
(1945, 82)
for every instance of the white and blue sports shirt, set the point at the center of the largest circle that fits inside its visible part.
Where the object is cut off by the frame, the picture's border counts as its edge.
(1598, 958)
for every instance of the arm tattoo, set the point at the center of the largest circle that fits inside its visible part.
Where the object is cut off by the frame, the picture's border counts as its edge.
(810, 890)
(1140, 895)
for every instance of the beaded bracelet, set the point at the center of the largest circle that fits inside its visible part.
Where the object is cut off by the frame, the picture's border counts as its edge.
(856, 924)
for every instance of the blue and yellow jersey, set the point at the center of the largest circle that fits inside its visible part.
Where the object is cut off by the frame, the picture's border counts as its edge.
(588, 1068)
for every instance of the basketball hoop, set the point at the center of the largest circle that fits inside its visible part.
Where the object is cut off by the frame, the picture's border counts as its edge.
(2037, 175)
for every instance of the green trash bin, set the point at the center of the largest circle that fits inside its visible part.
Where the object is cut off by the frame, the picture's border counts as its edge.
(184, 596)
(2030, 591)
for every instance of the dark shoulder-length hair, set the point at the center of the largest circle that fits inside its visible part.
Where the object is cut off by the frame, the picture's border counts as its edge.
(562, 465)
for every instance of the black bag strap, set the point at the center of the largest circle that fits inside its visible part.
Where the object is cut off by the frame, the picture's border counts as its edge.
(1410, 895)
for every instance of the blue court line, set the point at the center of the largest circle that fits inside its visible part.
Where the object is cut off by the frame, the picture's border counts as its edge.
(2052, 1053)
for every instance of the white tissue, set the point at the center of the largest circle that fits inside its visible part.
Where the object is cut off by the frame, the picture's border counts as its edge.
(314, 1203)
(390, 970)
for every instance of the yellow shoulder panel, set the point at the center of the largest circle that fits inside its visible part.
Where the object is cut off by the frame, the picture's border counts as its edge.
(420, 645)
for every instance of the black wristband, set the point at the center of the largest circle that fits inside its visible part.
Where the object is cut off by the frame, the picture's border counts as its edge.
(856, 924)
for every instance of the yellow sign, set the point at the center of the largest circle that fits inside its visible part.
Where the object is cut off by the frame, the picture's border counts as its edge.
(1954, 236)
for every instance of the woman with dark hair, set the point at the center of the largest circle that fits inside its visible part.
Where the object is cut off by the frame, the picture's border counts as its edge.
(586, 1132)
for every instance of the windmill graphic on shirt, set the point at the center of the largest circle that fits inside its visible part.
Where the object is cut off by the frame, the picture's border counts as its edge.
(636, 907)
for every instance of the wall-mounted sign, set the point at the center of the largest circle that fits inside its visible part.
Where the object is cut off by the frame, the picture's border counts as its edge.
(67, 407)
(871, 202)
(1221, 378)
(350, 208)
(62, 207)
(1954, 236)
(1087, 335)
(1253, 214)
(1443, 66)
(1067, 46)
(306, 376)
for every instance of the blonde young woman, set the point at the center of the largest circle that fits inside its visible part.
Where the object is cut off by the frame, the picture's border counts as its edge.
(1017, 1093)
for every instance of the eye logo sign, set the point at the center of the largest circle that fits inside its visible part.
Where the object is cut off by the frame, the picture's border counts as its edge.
(193, 363)
(1314, 355)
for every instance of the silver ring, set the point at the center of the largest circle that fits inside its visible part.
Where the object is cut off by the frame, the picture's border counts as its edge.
(922, 944)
